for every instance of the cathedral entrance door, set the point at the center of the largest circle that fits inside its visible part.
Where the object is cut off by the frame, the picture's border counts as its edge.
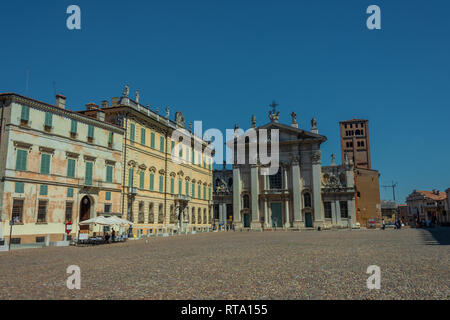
(308, 220)
(246, 220)
(277, 215)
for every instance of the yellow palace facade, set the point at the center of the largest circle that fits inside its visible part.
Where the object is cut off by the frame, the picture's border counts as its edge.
(160, 196)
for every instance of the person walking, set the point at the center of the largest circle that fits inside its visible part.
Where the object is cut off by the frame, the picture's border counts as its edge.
(113, 235)
(383, 224)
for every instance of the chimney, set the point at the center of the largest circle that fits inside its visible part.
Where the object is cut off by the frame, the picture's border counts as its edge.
(91, 106)
(104, 104)
(115, 101)
(60, 101)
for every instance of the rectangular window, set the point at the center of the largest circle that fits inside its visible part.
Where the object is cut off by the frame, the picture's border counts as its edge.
(171, 186)
(161, 144)
(21, 160)
(327, 208)
(25, 114)
(209, 193)
(109, 174)
(69, 211)
(90, 132)
(71, 168)
(204, 192)
(187, 188)
(172, 145)
(161, 183)
(193, 190)
(110, 139)
(152, 140)
(73, 127)
(199, 191)
(45, 163)
(48, 120)
(17, 211)
(107, 207)
(108, 196)
(132, 128)
(180, 186)
(130, 177)
(143, 136)
(88, 174)
(344, 209)
(43, 190)
(70, 192)
(19, 187)
(152, 181)
(42, 211)
(180, 151)
(141, 180)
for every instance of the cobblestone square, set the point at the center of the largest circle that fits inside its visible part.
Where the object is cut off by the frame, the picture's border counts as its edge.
(414, 264)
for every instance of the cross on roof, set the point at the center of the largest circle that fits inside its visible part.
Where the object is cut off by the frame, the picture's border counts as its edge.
(273, 105)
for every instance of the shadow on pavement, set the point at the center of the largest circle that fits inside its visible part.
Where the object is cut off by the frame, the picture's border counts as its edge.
(436, 236)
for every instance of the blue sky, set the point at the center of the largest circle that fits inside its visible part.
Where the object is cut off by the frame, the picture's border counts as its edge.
(222, 61)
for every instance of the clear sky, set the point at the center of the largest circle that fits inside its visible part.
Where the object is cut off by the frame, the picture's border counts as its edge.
(222, 61)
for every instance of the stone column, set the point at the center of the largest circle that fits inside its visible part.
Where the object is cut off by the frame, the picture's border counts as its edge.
(352, 211)
(266, 217)
(296, 193)
(220, 213)
(338, 213)
(287, 223)
(333, 213)
(254, 176)
(237, 197)
(224, 214)
(316, 184)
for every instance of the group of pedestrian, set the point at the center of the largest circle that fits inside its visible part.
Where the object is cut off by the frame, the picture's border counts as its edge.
(112, 236)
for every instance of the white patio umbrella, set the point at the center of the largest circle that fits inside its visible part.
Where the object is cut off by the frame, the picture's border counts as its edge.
(119, 221)
(97, 220)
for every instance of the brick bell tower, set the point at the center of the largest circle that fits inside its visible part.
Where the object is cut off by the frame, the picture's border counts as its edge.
(355, 142)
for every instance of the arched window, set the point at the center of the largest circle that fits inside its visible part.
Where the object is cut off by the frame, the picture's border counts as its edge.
(172, 214)
(151, 214)
(194, 221)
(200, 216)
(246, 201)
(205, 219)
(307, 199)
(160, 214)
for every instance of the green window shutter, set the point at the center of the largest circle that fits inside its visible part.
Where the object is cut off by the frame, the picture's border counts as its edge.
(152, 140)
(45, 163)
(187, 188)
(73, 126)
(171, 186)
(43, 191)
(21, 160)
(161, 183)
(209, 193)
(204, 193)
(108, 196)
(70, 192)
(19, 187)
(193, 190)
(199, 191)
(172, 145)
(142, 179)
(109, 174)
(199, 159)
(110, 138)
(132, 126)
(180, 184)
(88, 174)
(91, 131)
(143, 136)
(180, 152)
(25, 114)
(152, 181)
(71, 168)
(161, 144)
(130, 177)
(48, 119)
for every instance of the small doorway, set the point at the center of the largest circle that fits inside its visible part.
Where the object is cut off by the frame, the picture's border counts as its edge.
(308, 220)
(85, 211)
(246, 220)
(277, 216)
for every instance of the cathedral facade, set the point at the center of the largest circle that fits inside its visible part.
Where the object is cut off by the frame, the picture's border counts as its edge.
(302, 194)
